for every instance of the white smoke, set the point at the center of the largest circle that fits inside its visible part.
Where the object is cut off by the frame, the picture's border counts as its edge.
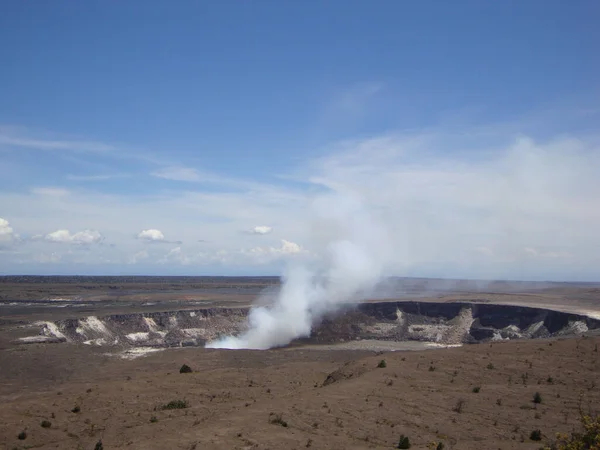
(354, 259)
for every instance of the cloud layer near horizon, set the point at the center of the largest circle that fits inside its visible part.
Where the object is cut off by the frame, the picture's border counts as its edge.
(461, 204)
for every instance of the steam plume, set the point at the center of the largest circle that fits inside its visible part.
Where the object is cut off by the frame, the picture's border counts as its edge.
(355, 255)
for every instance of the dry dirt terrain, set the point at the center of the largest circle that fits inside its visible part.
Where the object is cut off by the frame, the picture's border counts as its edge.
(480, 396)
(325, 399)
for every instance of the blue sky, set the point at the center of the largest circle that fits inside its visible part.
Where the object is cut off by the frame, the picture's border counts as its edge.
(155, 137)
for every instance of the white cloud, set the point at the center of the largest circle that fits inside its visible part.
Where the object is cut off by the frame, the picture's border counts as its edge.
(151, 235)
(81, 237)
(6, 231)
(289, 248)
(261, 229)
(5, 228)
(154, 236)
(286, 248)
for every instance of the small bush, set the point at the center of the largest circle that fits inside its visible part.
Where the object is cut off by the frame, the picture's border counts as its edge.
(153, 419)
(537, 398)
(76, 409)
(99, 445)
(490, 366)
(431, 368)
(535, 435)
(277, 419)
(46, 424)
(382, 364)
(499, 401)
(550, 380)
(176, 404)
(185, 369)
(22, 435)
(440, 446)
(404, 442)
(476, 389)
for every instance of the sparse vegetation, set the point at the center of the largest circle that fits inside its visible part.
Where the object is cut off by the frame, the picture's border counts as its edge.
(404, 442)
(490, 366)
(185, 369)
(537, 398)
(535, 435)
(382, 364)
(550, 380)
(76, 409)
(589, 438)
(459, 406)
(277, 419)
(431, 368)
(99, 445)
(153, 419)
(499, 401)
(22, 435)
(476, 389)
(175, 404)
(45, 424)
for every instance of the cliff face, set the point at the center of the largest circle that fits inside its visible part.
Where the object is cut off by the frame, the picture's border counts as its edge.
(443, 323)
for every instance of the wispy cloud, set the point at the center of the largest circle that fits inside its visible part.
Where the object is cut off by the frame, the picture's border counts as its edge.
(180, 174)
(460, 203)
(354, 98)
(77, 146)
(95, 177)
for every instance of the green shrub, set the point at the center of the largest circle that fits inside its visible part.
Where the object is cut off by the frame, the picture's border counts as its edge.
(185, 369)
(537, 398)
(22, 435)
(76, 409)
(277, 419)
(404, 442)
(176, 404)
(535, 435)
(476, 389)
(490, 366)
(382, 364)
(46, 424)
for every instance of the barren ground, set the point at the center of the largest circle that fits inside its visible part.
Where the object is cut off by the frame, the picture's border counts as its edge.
(234, 396)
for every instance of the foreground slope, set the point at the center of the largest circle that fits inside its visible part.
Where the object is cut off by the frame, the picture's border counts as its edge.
(328, 399)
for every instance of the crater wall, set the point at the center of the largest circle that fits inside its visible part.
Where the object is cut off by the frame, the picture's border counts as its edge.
(442, 323)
